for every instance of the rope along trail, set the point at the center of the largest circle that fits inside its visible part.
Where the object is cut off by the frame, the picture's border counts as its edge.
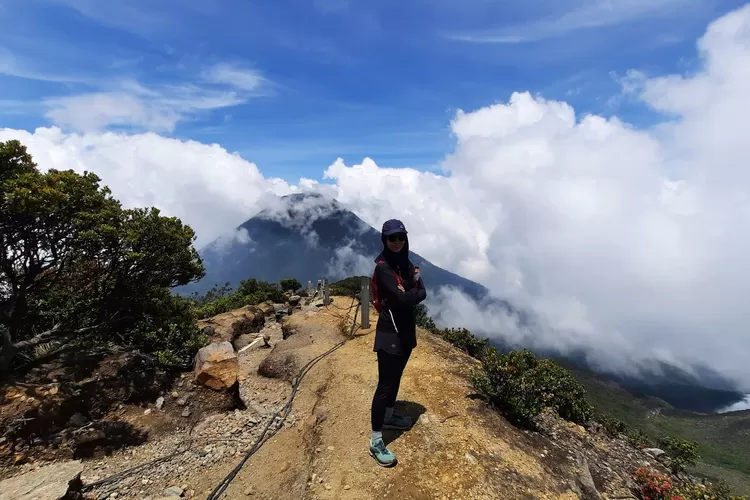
(265, 435)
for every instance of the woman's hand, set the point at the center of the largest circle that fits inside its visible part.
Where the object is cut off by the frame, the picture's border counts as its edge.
(401, 287)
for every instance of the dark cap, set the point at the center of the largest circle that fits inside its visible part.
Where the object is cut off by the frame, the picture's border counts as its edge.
(393, 226)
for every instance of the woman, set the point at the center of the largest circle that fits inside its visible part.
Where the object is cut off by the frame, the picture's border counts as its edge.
(400, 289)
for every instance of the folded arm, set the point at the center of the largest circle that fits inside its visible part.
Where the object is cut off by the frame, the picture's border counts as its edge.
(394, 294)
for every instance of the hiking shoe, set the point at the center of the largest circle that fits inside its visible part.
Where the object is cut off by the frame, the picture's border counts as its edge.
(380, 453)
(397, 422)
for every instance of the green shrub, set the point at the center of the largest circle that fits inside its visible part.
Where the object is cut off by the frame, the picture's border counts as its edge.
(290, 284)
(465, 340)
(423, 318)
(249, 292)
(682, 453)
(523, 385)
(168, 330)
(348, 287)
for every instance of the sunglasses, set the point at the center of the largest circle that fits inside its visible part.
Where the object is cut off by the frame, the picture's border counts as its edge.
(397, 237)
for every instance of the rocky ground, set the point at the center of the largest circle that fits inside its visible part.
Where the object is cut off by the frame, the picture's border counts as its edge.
(457, 449)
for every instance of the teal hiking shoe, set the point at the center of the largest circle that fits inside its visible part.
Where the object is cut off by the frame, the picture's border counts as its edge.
(398, 422)
(380, 453)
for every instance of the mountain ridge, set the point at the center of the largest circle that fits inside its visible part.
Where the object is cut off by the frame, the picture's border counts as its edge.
(309, 237)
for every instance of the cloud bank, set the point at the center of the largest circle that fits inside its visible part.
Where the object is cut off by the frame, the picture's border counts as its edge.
(630, 242)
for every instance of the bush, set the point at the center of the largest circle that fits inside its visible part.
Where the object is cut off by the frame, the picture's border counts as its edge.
(654, 486)
(523, 385)
(290, 284)
(424, 320)
(168, 330)
(249, 292)
(348, 287)
(682, 453)
(465, 340)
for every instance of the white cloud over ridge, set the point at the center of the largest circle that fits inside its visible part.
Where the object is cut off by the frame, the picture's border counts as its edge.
(630, 242)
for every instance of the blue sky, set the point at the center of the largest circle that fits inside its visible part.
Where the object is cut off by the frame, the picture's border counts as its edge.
(294, 84)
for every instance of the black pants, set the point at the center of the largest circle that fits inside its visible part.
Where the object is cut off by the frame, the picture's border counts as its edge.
(390, 369)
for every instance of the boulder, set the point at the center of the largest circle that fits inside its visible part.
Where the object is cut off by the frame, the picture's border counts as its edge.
(266, 307)
(50, 482)
(654, 452)
(294, 300)
(217, 366)
(226, 327)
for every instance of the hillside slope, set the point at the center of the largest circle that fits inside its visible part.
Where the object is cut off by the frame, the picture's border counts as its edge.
(459, 448)
(724, 439)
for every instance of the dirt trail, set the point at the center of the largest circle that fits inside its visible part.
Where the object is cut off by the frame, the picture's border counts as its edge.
(457, 449)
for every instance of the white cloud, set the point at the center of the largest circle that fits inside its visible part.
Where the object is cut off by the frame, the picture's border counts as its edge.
(593, 14)
(629, 242)
(205, 185)
(738, 406)
(241, 78)
(348, 260)
(134, 105)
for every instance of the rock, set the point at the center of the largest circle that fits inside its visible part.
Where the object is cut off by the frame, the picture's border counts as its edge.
(50, 482)
(181, 401)
(226, 327)
(174, 491)
(279, 364)
(294, 300)
(654, 452)
(159, 402)
(216, 366)
(185, 412)
(584, 480)
(266, 307)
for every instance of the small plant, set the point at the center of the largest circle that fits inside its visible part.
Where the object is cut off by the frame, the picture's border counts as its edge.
(523, 385)
(654, 486)
(682, 453)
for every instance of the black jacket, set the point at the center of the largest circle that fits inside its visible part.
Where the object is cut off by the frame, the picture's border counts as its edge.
(396, 331)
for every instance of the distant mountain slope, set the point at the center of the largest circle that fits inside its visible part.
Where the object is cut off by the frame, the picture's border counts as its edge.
(307, 237)
(724, 439)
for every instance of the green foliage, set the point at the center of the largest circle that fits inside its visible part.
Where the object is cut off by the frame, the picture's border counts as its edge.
(423, 318)
(348, 287)
(465, 340)
(523, 385)
(290, 284)
(682, 453)
(168, 325)
(222, 299)
(76, 260)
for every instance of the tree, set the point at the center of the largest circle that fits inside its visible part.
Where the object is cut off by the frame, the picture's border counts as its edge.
(290, 284)
(75, 259)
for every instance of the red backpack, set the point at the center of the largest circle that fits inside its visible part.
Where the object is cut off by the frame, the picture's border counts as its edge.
(374, 288)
